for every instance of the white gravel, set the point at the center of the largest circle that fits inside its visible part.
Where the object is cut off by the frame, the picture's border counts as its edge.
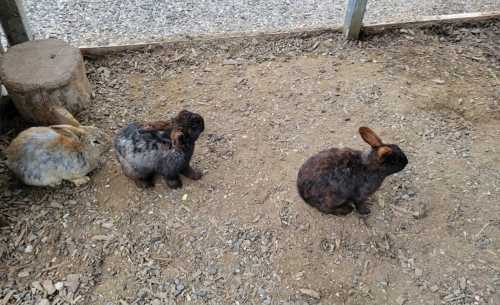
(104, 22)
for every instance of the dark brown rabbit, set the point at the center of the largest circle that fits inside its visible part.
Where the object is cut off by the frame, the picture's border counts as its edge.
(164, 148)
(333, 178)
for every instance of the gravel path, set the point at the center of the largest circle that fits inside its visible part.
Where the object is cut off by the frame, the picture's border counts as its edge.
(102, 22)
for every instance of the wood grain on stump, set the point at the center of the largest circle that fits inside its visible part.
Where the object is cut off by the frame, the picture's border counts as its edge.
(47, 81)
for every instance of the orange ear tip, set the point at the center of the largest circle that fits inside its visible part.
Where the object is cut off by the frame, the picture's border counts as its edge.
(384, 151)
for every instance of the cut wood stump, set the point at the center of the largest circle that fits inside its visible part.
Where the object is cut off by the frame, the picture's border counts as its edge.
(46, 80)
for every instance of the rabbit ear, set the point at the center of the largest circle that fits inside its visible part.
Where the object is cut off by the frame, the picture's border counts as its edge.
(65, 117)
(68, 131)
(383, 152)
(68, 138)
(370, 137)
(183, 114)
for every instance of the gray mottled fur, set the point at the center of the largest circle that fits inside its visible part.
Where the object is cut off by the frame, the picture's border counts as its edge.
(162, 147)
(140, 160)
(39, 156)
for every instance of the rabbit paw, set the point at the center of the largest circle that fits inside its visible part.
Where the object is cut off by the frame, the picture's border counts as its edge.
(192, 173)
(144, 183)
(363, 208)
(343, 210)
(174, 183)
(80, 181)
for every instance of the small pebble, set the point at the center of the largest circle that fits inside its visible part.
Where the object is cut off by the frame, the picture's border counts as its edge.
(59, 285)
(312, 293)
(49, 287)
(401, 300)
(212, 270)
(43, 302)
(37, 286)
(463, 283)
(72, 282)
(56, 205)
(179, 288)
(28, 249)
(107, 225)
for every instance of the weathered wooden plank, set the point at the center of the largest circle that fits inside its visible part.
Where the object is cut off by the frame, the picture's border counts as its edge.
(92, 51)
(13, 20)
(355, 12)
(369, 29)
(426, 21)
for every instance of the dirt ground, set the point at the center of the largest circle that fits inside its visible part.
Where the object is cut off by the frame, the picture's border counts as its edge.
(241, 235)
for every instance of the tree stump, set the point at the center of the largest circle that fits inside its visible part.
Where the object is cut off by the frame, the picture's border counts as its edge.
(46, 80)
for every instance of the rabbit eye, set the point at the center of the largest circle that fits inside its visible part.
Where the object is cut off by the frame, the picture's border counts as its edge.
(96, 142)
(390, 158)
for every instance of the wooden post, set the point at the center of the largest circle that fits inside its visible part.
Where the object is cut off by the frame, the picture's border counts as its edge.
(3, 91)
(13, 20)
(355, 12)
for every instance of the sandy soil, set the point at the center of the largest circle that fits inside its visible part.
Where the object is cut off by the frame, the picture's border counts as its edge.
(241, 235)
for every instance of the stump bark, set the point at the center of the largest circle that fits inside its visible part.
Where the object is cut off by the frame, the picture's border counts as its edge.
(46, 80)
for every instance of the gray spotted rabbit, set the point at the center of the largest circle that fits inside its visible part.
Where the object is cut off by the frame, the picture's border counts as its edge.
(163, 148)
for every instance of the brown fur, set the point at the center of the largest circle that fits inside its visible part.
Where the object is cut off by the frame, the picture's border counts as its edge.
(370, 137)
(69, 139)
(45, 156)
(383, 152)
(333, 178)
(157, 125)
(69, 144)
